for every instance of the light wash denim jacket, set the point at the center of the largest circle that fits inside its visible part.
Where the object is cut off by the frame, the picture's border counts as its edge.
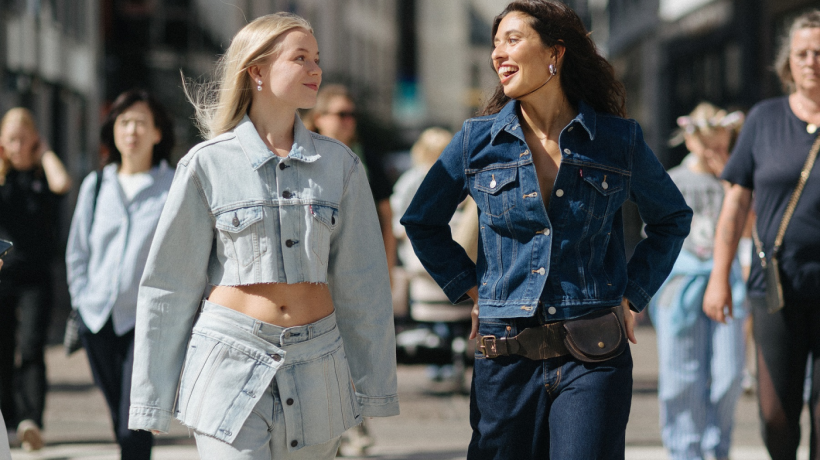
(570, 257)
(104, 263)
(236, 215)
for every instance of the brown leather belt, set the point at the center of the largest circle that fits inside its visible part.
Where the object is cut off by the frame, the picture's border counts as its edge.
(591, 338)
(540, 342)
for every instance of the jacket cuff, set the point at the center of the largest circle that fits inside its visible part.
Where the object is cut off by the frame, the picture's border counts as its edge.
(638, 298)
(149, 418)
(382, 406)
(456, 289)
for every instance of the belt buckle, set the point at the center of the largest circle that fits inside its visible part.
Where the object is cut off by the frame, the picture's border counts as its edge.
(488, 350)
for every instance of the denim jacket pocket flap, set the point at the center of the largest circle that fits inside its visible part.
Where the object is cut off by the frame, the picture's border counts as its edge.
(493, 180)
(327, 215)
(605, 182)
(221, 383)
(239, 219)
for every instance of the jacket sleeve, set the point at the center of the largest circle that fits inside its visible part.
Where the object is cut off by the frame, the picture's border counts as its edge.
(360, 285)
(170, 293)
(427, 222)
(78, 250)
(667, 218)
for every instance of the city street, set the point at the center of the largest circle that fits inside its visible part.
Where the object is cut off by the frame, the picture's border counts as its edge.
(433, 425)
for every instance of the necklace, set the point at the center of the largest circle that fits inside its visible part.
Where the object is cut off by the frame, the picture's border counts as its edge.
(811, 128)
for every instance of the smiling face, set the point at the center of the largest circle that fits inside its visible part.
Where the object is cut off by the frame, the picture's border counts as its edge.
(804, 59)
(520, 58)
(292, 78)
(135, 134)
(19, 143)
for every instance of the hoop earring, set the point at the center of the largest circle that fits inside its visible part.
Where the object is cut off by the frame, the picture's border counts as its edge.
(259, 83)
(552, 69)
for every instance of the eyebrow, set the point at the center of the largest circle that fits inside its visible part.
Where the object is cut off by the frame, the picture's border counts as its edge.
(507, 34)
(305, 50)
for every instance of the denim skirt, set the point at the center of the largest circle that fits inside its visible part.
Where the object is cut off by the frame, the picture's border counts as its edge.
(233, 360)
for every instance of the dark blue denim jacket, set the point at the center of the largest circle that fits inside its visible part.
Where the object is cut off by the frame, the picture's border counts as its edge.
(570, 257)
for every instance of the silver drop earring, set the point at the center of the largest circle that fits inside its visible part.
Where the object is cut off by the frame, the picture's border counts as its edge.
(552, 69)
(259, 83)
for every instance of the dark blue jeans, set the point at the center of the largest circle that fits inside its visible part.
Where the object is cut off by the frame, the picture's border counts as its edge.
(111, 358)
(558, 408)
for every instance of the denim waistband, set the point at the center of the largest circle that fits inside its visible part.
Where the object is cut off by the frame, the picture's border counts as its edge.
(276, 335)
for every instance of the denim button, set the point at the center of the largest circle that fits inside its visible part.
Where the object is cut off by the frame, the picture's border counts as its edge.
(559, 193)
(286, 194)
(567, 151)
(289, 243)
(286, 335)
(276, 358)
(294, 443)
(551, 310)
(546, 231)
(604, 185)
(541, 271)
(282, 166)
(235, 220)
(289, 401)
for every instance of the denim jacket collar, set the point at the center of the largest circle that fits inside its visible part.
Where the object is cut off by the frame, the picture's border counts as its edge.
(507, 120)
(258, 153)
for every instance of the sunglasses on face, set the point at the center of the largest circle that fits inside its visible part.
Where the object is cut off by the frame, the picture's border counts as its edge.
(343, 115)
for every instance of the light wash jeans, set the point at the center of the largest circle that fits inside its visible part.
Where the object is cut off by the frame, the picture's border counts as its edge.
(700, 371)
(300, 413)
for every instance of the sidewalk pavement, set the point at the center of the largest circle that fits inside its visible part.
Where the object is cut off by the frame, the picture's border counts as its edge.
(432, 426)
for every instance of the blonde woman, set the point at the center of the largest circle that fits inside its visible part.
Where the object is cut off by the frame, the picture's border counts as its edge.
(697, 417)
(32, 177)
(274, 226)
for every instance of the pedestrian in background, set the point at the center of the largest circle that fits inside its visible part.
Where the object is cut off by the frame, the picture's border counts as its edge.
(552, 287)
(32, 178)
(117, 212)
(274, 225)
(700, 361)
(766, 165)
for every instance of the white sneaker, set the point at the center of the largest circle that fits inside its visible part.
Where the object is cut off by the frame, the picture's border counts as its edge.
(29, 435)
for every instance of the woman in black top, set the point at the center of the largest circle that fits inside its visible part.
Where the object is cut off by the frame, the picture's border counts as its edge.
(766, 163)
(31, 178)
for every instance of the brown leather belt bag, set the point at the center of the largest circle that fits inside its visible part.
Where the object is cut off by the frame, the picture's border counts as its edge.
(593, 338)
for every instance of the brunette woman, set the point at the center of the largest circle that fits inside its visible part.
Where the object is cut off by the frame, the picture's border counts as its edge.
(550, 165)
(117, 212)
(274, 225)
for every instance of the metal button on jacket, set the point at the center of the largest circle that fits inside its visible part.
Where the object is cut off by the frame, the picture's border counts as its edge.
(282, 166)
(286, 194)
(289, 401)
(559, 193)
(289, 243)
(276, 358)
(294, 443)
(551, 310)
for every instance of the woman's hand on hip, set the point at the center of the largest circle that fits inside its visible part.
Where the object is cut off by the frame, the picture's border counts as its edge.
(473, 293)
(629, 321)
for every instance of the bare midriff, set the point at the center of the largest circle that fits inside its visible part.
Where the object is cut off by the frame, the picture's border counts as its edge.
(285, 305)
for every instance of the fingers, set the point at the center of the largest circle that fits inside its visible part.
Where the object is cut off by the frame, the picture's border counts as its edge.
(629, 322)
(474, 315)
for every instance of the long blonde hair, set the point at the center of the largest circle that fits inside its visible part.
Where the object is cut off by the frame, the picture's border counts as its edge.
(221, 104)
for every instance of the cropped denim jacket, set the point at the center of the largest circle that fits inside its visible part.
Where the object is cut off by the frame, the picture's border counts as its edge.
(569, 258)
(237, 214)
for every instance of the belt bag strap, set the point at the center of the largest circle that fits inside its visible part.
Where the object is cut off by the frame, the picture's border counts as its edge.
(592, 338)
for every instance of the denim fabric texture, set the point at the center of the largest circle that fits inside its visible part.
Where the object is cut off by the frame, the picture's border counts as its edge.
(105, 260)
(236, 215)
(558, 408)
(232, 360)
(569, 257)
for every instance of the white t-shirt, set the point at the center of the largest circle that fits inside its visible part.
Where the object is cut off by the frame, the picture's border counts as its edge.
(132, 183)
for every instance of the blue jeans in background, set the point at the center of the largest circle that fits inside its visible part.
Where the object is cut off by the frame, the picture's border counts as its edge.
(558, 408)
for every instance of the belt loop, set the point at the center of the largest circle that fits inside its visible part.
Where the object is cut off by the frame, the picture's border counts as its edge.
(256, 326)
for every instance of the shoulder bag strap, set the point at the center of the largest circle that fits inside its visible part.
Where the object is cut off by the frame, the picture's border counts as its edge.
(787, 216)
(97, 186)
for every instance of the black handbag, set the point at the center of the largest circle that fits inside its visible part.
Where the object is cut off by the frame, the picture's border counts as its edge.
(71, 336)
(770, 264)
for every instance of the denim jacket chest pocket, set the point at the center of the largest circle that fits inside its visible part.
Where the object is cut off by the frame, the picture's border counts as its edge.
(602, 191)
(242, 234)
(324, 220)
(494, 191)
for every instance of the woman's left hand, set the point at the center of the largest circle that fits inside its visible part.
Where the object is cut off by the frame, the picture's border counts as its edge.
(629, 321)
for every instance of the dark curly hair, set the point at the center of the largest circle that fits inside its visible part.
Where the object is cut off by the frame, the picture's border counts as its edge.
(162, 121)
(585, 75)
